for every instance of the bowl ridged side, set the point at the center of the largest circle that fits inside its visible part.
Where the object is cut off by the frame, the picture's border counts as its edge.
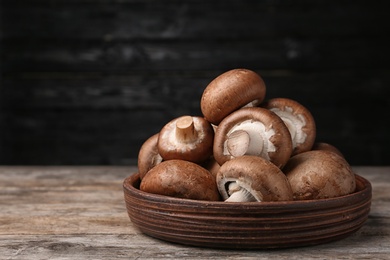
(247, 225)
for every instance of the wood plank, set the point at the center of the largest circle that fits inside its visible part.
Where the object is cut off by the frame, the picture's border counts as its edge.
(133, 91)
(62, 200)
(156, 90)
(192, 19)
(287, 53)
(135, 246)
(79, 213)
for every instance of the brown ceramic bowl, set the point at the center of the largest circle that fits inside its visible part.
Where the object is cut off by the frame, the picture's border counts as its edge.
(248, 225)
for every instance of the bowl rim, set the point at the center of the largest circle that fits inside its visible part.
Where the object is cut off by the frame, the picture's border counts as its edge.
(363, 186)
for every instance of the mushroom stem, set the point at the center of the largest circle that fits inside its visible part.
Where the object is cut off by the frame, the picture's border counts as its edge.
(185, 129)
(156, 159)
(239, 194)
(246, 138)
(238, 143)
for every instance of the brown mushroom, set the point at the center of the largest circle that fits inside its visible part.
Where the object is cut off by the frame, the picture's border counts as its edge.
(181, 179)
(252, 131)
(230, 91)
(327, 147)
(252, 178)
(148, 155)
(186, 138)
(298, 120)
(319, 174)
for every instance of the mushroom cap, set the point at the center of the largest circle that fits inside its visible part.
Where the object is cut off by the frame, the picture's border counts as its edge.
(181, 179)
(298, 120)
(230, 91)
(327, 147)
(148, 155)
(186, 138)
(264, 180)
(319, 174)
(266, 136)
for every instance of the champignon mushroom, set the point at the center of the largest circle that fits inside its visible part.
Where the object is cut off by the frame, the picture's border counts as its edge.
(251, 178)
(252, 131)
(319, 174)
(181, 179)
(148, 155)
(327, 147)
(186, 138)
(230, 91)
(298, 120)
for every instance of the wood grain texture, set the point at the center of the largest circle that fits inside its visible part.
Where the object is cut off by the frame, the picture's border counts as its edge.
(86, 82)
(79, 213)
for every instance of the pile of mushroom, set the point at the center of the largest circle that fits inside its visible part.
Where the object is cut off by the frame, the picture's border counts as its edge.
(243, 149)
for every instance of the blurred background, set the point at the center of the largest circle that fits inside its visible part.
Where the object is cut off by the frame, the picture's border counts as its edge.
(86, 82)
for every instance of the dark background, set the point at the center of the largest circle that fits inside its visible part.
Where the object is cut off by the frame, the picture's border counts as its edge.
(86, 82)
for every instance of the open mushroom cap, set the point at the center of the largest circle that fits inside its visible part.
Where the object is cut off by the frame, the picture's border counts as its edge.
(252, 131)
(186, 138)
(252, 178)
(148, 155)
(298, 120)
(319, 174)
(230, 91)
(180, 179)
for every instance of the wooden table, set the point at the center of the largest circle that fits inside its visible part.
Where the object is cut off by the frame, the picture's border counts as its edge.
(79, 213)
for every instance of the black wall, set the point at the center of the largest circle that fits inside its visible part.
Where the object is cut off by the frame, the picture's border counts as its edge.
(87, 81)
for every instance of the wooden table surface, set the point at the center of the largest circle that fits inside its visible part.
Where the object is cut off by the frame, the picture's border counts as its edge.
(79, 213)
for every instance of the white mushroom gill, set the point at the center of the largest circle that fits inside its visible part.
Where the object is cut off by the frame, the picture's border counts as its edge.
(238, 193)
(156, 159)
(294, 123)
(253, 103)
(258, 144)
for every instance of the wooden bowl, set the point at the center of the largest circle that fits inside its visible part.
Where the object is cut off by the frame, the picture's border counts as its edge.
(249, 225)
